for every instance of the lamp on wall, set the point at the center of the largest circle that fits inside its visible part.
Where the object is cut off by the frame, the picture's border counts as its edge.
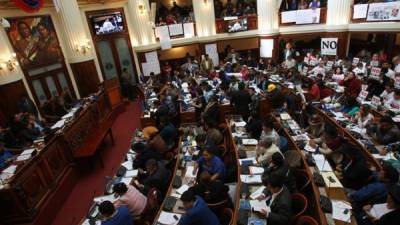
(9, 64)
(205, 2)
(83, 48)
(141, 8)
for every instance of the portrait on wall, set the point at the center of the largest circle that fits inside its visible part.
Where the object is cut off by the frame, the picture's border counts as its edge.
(34, 41)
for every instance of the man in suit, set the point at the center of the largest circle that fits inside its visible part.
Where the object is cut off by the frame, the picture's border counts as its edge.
(279, 205)
(156, 175)
(241, 100)
(197, 211)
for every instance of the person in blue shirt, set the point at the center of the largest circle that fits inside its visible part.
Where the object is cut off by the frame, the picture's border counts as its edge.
(211, 164)
(375, 192)
(197, 211)
(5, 156)
(112, 216)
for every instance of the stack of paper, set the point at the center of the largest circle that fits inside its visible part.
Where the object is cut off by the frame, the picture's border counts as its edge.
(169, 218)
(258, 206)
(190, 172)
(331, 180)
(322, 163)
(182, 189)
(240, 124)
(131, 173)
(128, 165)
(308, 148)
(378, 210)
(341, 210)
(59, 124)
(256, 170)
(251, 179)
(285, 116)
(249, 141)
(257, 193)
(103, 198)
(247, 161)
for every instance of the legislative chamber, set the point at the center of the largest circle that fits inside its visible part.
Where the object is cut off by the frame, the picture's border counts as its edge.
(199, 112)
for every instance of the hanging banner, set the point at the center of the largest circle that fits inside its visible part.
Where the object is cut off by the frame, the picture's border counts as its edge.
(29, 6)
(384, 11)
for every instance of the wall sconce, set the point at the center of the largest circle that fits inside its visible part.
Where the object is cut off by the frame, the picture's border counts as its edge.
(83, 48)
(9, 64)
(205, 2)
(141, 8)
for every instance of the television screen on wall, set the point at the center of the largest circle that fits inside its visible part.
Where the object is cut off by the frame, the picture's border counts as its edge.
(107, 23)
(237, 25)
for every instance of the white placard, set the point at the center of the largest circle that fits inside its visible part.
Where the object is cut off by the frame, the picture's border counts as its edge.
(151, 56)
(166, 44)
(329, 46)
(397, 82)
(289, 16)
(308, 16)
(188, 29)
(266, 48)
(360, 11)
(356, 61)
(375, 101)
(383, 11)
(149, 67)
(175, 29)
(162, 32)
(375, 73)
(212, 51)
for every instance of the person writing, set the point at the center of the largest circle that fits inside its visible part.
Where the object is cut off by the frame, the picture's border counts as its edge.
(211, 164)
(130, 197)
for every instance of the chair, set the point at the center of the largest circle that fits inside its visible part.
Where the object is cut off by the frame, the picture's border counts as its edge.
(302, 179)
(306, 220)
(299, 206)
(226, 217)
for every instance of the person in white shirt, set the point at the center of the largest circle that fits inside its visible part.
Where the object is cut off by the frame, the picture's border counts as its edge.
(364, 117)
(338, 75)
(289, 63)
(320, 69)
(388, 93)
(268, 130)
(265, 149)
(394, 103)
(360, 70)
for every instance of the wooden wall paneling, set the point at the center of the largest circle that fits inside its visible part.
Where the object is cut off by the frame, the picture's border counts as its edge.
(10, 93)
(113, 91)
(86, 77)
(239, 44)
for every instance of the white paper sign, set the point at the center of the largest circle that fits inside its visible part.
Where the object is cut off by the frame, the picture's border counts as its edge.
(166, 44)
(375, 73)
(266, 48)
(384, 11)
(375, 101)
(355, 61)
(307, 16)
(329, 46)
(175, 29)
(289, 16)
(149, 67)
(360, 11)
(151, 56)
(212, 51)
(188, 29)
(162, 33)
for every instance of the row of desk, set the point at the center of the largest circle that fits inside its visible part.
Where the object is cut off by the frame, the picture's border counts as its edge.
(36, 180)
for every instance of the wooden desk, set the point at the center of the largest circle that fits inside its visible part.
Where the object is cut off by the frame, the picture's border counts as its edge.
(36, 181)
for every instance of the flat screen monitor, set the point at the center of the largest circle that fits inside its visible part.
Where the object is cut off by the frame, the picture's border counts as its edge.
(237, 25)
(107, 23)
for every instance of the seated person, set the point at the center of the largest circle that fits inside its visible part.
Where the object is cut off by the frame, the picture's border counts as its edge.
(330, 141)
(279, 166)
(274, 95)
(388, 93)
(269, 130)
(143, 153)
(212, 164)
(197, 211)
(155, 176)
(154, 140)
(316, 127)
(350, 107)
(375, 192)
(393, 204)
(211, 191)
(112, 216)
(385, 132)
(6, 156)
(394, 103)
(352, 85)
(214, 135)
(254, 126)
(167, 132)
(352, 169)
(364, 117)
(265, 149)
(313, 92)
(130, 197)
(279, 205)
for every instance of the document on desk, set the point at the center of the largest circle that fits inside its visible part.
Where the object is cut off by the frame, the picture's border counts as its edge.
(240, 124)
(258, 206)
(59, 124)
(87, 222)
(285, 116)
(189, 172)
(378, 210)
(251, 179)
(308, 148)
(256, 170)
(331, 180)
(28, 151)
(131, 173)
(103, 198)
(127, 180)
(247, 161)
(167, 218)
(128, 165)
(10, 170)
(322, 163)
(249, 142)
(182, 189)
(341, 210)
(257, 193)
(21, 158)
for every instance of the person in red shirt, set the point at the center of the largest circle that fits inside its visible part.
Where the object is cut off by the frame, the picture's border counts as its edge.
(313, 93)
(352, 85)
(170, 19)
